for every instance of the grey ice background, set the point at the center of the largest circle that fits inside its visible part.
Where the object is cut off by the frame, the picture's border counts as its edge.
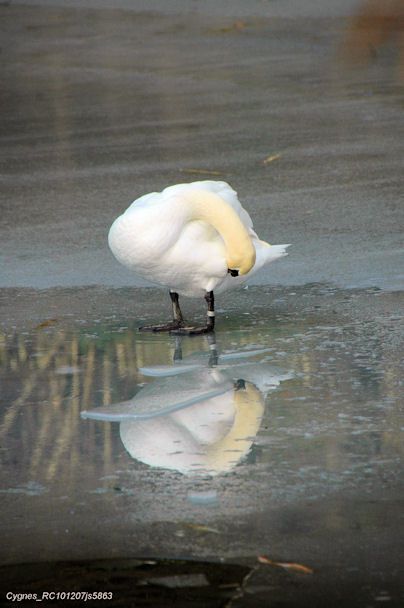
(239, 8)
(104, 101)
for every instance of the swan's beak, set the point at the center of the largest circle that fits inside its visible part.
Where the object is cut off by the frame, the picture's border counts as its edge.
(233, 272)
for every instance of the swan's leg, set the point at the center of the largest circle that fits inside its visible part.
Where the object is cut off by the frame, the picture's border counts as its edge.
(210, 320)
(176, 323)
(177, 314)
(210, 313)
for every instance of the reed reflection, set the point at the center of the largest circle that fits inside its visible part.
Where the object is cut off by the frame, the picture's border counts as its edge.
(198, 416)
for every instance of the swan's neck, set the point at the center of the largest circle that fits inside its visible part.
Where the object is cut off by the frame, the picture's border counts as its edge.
(209, 207)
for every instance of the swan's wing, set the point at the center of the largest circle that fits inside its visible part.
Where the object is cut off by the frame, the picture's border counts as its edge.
(222, 189)
(146, 199)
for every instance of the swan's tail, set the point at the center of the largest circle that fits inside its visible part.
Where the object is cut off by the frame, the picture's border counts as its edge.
(268, 253)
(276, 251)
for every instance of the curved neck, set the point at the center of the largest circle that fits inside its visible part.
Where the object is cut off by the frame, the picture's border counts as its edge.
(209, 207)
(249, 408)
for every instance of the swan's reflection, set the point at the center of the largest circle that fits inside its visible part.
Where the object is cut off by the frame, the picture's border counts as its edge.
(193, 418)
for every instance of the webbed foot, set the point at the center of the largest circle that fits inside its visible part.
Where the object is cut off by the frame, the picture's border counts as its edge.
(192, 331)
(171, 326)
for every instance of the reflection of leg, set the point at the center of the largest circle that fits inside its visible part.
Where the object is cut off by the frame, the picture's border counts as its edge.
(176, 323)
(178, 349)
(213, 355)
(210, 320)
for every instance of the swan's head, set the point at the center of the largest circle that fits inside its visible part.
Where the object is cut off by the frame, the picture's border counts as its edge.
(211, 208)
(242, 261)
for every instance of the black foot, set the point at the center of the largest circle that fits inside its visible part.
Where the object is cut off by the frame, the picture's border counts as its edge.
(192, 331)
(172, 326)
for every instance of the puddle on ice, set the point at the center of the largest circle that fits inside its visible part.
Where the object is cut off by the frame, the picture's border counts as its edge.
(286, 433)
(198, 418)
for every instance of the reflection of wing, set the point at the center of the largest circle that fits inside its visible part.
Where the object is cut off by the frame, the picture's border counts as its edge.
(165, 395)
(196, 362)
(157, 371)
(243, 354)
(264, 376)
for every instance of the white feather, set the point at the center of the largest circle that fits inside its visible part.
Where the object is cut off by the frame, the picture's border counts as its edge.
(156, 239)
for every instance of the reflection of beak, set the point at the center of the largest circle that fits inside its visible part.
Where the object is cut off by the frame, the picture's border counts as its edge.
(239, 385)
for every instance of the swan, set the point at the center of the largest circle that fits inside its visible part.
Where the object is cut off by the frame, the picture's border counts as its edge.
(195, 239)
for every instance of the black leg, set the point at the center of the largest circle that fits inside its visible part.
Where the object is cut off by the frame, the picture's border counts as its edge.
(176, 323)
(210, 313)
(210, 320)
(177, 314)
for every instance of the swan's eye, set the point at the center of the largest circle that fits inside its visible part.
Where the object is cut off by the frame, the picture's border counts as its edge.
(234, 273)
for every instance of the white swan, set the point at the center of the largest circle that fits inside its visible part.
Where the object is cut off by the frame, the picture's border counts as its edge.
(194, 239)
